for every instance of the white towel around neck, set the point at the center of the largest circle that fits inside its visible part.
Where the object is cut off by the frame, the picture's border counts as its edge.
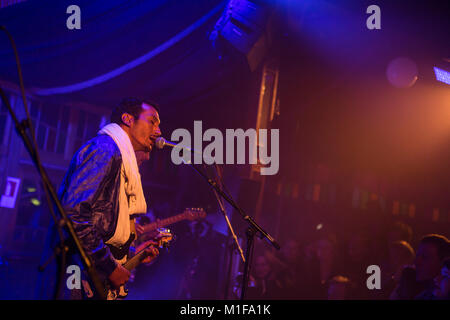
(131, 199)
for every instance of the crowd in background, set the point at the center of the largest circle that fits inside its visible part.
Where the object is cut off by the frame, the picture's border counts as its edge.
(332, 268)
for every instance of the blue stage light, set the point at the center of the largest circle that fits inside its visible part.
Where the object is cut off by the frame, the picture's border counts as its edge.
(442, 75)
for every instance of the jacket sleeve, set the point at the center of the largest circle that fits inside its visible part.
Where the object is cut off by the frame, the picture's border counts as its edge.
(88, 194)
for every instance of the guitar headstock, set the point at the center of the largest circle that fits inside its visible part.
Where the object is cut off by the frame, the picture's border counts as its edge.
(194, 213)
(164, 237)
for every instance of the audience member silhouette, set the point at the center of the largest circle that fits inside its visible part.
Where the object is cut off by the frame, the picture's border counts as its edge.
(262, 281)
(322, 267)
(400, 256)
(418, 282)
(358, 259)
(399, 231)
(339, 288)
(288, 269)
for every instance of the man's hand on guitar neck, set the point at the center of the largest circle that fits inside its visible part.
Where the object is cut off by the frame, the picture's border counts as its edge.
(119, 276)
(152, 251)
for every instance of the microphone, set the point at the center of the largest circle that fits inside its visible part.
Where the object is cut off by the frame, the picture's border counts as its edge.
(161, 143)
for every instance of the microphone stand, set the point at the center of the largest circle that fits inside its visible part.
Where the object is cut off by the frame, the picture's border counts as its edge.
(222, 209)
(252, 230)
(62, 249)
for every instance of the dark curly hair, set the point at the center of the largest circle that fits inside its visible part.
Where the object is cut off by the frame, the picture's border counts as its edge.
(130, 105)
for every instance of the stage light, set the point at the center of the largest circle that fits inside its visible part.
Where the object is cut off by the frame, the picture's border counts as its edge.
(319, 226)
(31, 189)
(35, 202)
(442, 75)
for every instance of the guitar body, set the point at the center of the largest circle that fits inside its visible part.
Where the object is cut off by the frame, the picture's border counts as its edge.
(119, 253)
(163, 238)
(122, 292)
(117, 294)
(162, 234)
(110, 292)
(152, 231)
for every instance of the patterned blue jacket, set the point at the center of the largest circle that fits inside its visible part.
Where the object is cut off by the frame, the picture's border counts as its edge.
(89, 195)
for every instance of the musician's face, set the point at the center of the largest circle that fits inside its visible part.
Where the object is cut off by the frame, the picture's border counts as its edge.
(144, 130)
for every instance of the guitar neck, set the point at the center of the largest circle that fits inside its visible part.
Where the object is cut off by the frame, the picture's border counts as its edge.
(136, 260)
(165, 222)
(133, 262)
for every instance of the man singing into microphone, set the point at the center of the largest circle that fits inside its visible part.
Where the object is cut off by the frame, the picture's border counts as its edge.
(102, 191)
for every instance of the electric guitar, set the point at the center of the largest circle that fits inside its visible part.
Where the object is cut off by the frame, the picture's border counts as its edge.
(188, 214)
(119, 253)
(163, 239)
